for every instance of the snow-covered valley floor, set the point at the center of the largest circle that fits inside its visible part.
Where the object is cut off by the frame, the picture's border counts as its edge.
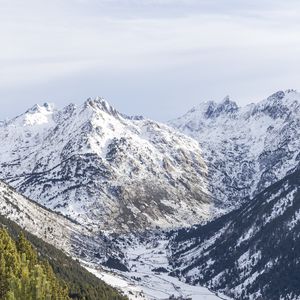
(146, 281)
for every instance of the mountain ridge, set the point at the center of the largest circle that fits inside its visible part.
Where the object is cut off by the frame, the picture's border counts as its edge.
(246, 148)
(105, 170)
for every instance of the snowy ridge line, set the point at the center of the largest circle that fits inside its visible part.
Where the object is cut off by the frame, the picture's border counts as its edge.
(246, 148)
(105, 171)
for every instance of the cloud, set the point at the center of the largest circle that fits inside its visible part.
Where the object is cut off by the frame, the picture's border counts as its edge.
(219, 46)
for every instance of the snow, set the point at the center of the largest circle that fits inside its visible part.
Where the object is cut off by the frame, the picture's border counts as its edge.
(143, 282)
(90, 163)
(246, 148)
(51, 227)
(281, 206)
(241, 146)
(294, 221)
(132, 291)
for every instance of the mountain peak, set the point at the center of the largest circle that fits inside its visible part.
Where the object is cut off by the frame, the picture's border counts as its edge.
(254, 139)
(226, 99)
(44, 108)
(277, 96)
(279, 104)
(291, 91)
(105, 171)
(36, 115)
(226, 106)
(280, 95)
(99, 103)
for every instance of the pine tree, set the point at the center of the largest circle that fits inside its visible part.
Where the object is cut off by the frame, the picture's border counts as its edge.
(23, 275)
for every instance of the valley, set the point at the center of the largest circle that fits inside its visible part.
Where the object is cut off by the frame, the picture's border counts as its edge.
(148, 277)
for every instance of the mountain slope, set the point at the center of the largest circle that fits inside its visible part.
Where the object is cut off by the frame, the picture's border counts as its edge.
(81, 284)
(45, 224)
(103, 169)
(249, 253)
(64, 234)
(246, 148)
(23, 275)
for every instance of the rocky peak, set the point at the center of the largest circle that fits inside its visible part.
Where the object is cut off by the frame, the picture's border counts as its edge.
(101, 104)
(276, 96)
(276, 106)
(36, 115)
(226, 106)
(44, 108)
(106, 171)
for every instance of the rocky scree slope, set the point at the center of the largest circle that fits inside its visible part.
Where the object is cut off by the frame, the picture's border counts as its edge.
(249, 253)
(103, 169)
(246, 148)
(72, 238)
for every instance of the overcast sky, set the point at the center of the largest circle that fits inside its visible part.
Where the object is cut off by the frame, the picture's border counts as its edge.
(152, 57)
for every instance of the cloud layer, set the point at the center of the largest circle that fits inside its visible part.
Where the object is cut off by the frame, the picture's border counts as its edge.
(152, 57)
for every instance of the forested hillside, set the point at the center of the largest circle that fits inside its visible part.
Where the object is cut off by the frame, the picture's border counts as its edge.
(33, 269)
(23, 275)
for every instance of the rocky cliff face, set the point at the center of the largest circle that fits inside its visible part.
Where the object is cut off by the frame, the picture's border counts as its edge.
(246, 148)
(103, 169)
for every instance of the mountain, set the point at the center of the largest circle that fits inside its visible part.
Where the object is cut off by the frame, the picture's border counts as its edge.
(103, 169)
(246, 148)
(249, 253)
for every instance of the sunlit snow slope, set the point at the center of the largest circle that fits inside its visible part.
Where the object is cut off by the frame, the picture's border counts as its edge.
(73, 238)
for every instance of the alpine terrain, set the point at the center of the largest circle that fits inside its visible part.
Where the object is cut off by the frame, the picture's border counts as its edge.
(246, 148)
(249, 253)
(104, 169)
(206, 207)
(127, 262)
(73, 238)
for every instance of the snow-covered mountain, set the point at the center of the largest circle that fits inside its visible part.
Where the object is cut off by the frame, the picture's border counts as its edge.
(105, 174)
(250, 253)
(103, 169)
(246, 148)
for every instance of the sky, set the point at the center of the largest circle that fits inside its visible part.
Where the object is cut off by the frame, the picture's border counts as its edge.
(156, 58)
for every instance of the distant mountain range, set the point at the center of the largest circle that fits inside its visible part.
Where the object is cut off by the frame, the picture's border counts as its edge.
(246, 148)
(216, 191)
